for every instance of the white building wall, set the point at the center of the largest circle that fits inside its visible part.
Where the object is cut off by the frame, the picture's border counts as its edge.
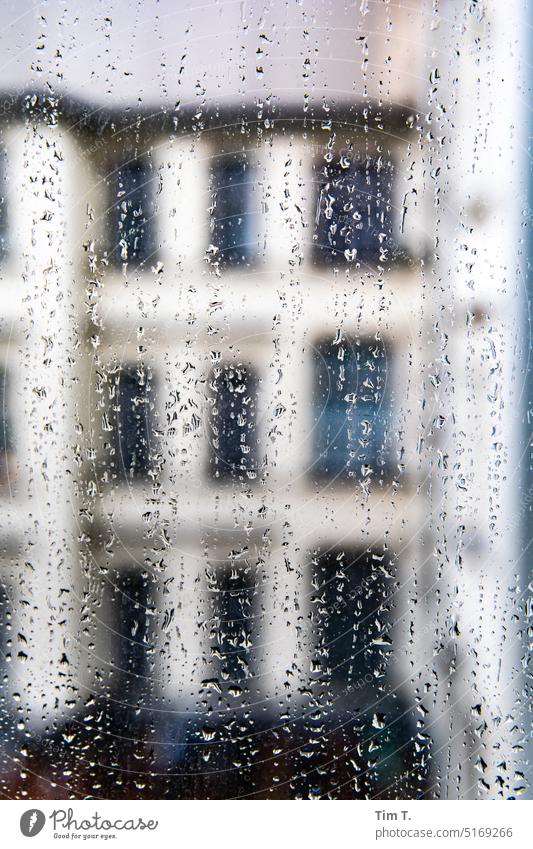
(39, 342)
(477, 351)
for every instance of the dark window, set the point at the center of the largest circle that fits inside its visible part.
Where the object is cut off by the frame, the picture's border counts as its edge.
(133, 213)
(134, 396)
(352, 409)
(233, 423)
(351, 618)
(233, 222)
(354, 212)
(232, 594)
(130, 607)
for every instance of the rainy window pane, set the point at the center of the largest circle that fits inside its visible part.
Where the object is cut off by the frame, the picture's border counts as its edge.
(352, 409)
(129, 606)
(351, 619)
(234, 449)
(232, 593)
(354, 213)
(134, 410)
(265, 401)
(134, 232)
(233, 221)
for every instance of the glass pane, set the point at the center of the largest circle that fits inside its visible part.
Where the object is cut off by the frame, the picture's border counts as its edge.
(352, 410)
(265, 401)
(354, 216)
(134, 422)
(133, 199)
(233, 234)
(233, 423)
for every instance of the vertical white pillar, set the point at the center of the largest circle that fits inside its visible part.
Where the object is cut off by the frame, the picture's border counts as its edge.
(44, 667)
(183, 202)
(478, 273)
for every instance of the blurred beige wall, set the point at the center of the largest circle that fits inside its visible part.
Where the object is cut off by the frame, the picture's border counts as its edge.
(203, 51)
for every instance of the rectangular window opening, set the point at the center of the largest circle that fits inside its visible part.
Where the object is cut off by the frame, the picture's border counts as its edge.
(234, 223)
(135, 439)
(133, 214)
(352, 410)
(233, 423)
(354, 213)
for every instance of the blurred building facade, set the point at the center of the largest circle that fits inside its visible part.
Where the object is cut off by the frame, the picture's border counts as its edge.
(252, 435)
